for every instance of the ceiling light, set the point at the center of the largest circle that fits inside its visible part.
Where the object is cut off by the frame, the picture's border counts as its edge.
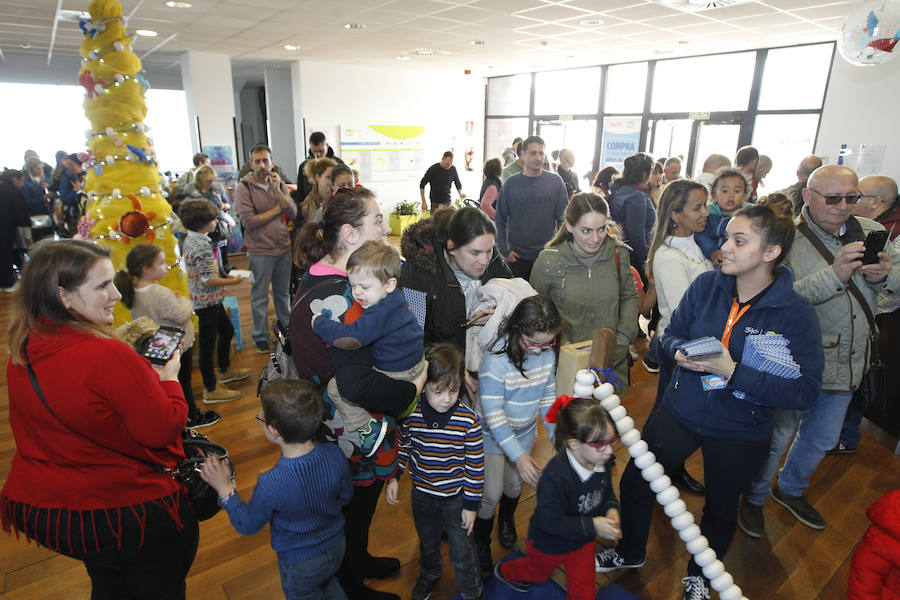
(175, 4)
(25, 45)
(425, 52)
(146, 33)
(404, 57)
(664, 50)
(592, 22)
(478, 42)
(683, 42)
(352, 26)
(291, 47)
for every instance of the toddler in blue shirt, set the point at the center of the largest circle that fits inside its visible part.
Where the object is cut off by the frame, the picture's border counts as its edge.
(728, 193)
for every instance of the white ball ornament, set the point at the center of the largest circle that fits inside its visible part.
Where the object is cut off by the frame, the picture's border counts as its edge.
(675, 508)
(689, 533)
(118, 46)
(624, 425)
(682, 521)
(110, 131)
(653, 472)
(585, 377)
(660, 483)
(697, 545)
(581, 390)
(110, 159)
(145, 191)
(617, 413)
(116, 193)
(603, 390)
(733, 592)
(722, 582)
(638, 449)
(610, 402)
(99, 89)
(714, 569)
(705, 558)
(645, 460)
(632, 437)
(669, 494)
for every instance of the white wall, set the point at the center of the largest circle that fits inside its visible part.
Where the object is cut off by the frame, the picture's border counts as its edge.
(861, 107)
(208, 87)
(334, 94)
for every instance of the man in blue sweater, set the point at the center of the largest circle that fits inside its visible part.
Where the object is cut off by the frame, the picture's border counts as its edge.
(529, 211)
(300, 498)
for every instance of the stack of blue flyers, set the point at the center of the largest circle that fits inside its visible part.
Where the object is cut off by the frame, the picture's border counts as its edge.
(705, 346)
(769, 353)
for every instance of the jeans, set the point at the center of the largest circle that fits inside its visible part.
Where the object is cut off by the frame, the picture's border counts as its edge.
(277, 271)
(817, 430)
(313, 578)
(728, 465)
(432, 515)
(214, 331)
(850, 434)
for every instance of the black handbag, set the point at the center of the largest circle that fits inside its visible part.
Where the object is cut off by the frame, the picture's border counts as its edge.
(203, 497)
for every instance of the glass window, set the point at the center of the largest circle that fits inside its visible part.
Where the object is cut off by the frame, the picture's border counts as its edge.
(509, 95)
(715, 138)
(795, 77)
(671, 138)
(167, 117)
(703, 83)
(569, 92)
(786, 139)
(579, 136)
(499, 134)
(625, 88)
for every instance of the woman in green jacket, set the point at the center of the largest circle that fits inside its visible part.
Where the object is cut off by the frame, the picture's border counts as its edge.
(588, 277)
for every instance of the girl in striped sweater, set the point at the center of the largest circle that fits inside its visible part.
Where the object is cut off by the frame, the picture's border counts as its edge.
(516, 382)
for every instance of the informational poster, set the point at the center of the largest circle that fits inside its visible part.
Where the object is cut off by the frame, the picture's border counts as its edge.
(864, 159)
(222, 160)
(621, 136)
(384, 152)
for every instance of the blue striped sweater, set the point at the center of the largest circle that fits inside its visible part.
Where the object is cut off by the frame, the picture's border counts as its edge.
(509, 403)
(301, 499)
(443, 454)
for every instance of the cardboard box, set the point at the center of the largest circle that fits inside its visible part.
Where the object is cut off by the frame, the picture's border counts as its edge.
(572, 358)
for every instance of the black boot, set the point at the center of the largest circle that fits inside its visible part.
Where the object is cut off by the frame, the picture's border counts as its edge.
(482, 536)
(506, 521)
(683, 479)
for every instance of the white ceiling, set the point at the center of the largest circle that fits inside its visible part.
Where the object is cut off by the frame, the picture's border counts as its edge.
(519, 35)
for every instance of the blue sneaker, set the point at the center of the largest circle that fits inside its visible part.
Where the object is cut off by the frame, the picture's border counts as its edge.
(371, 436)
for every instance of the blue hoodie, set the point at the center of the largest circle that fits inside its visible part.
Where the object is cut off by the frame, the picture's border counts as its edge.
(632, 209)
(745, 408)
(712, 238)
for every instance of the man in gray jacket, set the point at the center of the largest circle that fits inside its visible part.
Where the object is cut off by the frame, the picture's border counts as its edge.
(828, 199)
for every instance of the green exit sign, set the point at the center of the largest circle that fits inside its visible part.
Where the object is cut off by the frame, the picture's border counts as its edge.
(699, 116)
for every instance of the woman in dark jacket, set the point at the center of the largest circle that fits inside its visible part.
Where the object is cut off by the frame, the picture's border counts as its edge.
(448, 257)
(724, 404)
(36, 199)
(632, 208)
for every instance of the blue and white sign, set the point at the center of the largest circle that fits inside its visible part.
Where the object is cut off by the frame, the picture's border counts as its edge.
(621, 136)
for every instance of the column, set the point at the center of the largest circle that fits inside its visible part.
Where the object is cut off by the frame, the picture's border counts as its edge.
(208, 87)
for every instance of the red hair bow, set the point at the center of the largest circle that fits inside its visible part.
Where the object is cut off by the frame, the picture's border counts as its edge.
(560, 403)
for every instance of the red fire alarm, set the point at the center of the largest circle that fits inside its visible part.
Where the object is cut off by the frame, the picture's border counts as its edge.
(467, 72)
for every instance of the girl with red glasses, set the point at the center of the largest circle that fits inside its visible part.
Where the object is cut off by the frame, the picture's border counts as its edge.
(516, 384)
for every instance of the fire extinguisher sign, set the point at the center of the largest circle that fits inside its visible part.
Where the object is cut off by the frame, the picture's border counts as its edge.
(470, 127)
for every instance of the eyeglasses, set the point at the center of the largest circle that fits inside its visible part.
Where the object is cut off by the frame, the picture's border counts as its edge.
(851, 198)
(259, 417)
(528, 344)
(601, 446)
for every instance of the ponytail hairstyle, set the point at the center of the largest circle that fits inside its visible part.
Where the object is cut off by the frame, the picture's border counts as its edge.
(636, 169)
(581, 204)
(535, 314)
(139, 258)
(775, 228)
(348, 206)
(582, 419)
(673, 200)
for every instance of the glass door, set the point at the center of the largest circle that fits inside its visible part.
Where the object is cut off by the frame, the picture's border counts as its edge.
(579, 135)
(670, 137)
(713, 138)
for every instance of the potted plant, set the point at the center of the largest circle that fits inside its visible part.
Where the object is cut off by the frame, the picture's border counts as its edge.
(404, 214)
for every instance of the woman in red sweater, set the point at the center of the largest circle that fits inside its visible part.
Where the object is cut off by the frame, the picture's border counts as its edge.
(131, 526)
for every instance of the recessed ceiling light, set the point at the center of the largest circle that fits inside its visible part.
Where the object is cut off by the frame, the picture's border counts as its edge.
(176, 4)
(291, 47)
(352, 26)
(664, 50)
(478, 42)
(25, 45)
(425, 52)
(404, 57)
(592, 22)
(684, 42)
(146, 33)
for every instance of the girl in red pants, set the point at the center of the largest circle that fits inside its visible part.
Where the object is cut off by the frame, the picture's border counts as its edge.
(575, 501)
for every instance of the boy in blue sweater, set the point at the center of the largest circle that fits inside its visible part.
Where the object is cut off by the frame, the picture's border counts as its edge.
(441, 446)
(300, 498)
(728, 193)
(387, 323)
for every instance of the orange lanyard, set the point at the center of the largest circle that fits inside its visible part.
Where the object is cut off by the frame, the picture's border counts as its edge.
(733, 317)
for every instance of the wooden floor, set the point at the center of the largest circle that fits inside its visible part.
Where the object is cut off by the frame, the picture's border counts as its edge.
(791, 562)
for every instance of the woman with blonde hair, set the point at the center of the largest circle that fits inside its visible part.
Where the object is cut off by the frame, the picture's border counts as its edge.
(318, 172)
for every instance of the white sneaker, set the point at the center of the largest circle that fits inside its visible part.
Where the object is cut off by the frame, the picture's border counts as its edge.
(695, 588)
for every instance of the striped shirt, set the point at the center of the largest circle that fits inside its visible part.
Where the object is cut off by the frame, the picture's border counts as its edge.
(444, 460)
(509, 403)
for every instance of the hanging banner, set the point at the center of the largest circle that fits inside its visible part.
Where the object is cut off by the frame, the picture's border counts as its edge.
(621, 136)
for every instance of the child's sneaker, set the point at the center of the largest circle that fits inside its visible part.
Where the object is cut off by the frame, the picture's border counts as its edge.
(220, 394)
(371, 436)
(203, 418)
(609, 560)
(519, 586)
(422, 589)
(695, 588)
(233, 374)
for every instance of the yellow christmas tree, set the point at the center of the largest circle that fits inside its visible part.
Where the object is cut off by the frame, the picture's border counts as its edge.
(126, 201)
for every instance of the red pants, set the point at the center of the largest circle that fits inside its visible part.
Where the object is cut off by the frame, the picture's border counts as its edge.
(538, 567)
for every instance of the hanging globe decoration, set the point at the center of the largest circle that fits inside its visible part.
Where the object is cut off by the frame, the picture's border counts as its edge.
(870, 34)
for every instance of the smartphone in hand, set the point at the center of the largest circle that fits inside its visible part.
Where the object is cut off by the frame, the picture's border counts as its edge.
(159, 348)
(874, 243)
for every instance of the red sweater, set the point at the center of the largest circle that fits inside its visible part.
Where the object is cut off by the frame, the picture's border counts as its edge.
(875, 568)
(103, 389)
